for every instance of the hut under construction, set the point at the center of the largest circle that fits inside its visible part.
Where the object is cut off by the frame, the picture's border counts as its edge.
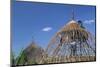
(72, 43)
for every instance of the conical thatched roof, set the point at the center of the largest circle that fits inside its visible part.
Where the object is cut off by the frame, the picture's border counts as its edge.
(31, 46)
(71, 25)
(73, 42)
(69, 35)
(70, 43)
(34, 53)
(74, 30)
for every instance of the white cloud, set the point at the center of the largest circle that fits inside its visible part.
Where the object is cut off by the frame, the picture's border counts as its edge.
(89, 21)
(46, 29)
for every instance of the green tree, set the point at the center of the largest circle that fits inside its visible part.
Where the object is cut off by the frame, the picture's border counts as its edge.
(12, 59)
(21, 59)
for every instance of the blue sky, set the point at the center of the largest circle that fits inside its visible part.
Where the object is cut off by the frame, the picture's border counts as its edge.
(40, 21)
